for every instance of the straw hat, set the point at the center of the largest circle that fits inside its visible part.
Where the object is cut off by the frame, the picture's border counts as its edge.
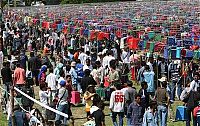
(163, 79)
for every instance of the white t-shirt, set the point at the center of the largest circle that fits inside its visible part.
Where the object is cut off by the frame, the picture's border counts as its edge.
(87, 67)
(51, 81)
(117, 100)
(82, 57)
(44, 97)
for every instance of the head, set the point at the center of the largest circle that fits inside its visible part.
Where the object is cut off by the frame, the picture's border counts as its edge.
(118, 86)
(43, 87)
(68, 78)
(98, 63)
(147, 68)
(87, 72)
(151, 59)
(138, 98)
(164, 84)
(143, 63)
(153, 105)
(129, 83)
(91, 89)
(62, 73)
(50, 70)
(113, 64)
(196, 76)
(62, 83)
(144, 85)
(44, 68)
(18, 65)
(87, 62)
(31, 54)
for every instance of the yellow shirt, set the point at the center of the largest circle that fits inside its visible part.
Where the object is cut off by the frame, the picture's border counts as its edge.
(88, 101)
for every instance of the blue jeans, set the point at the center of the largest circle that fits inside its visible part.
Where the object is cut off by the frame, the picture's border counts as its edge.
(128, 121)
(173, 90)
(114, 118)
(162, 115)
(62, 108)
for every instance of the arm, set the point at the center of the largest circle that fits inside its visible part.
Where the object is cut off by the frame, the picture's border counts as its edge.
(111, 101)
(129, 111)
(145, 119)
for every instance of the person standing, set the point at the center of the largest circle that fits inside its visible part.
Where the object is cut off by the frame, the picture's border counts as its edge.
(62, 101)
(150, 117)
(33, 66)
(74, 76)
(162, 98)
(134, 113)
(149, 78)
(144, 96)
(7, 81)
(51, 83)
(117, 103)
(19, 76)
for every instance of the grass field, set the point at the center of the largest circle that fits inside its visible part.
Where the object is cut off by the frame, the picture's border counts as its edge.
(79, 114)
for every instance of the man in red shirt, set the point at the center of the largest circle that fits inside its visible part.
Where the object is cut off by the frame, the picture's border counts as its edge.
(19, 76)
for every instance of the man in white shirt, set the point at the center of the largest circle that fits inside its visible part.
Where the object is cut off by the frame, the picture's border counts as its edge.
(44, 95)
(82, 56)
(195, 84)
(117, 102)
(51, 82)
(107, 59)
(87, 65)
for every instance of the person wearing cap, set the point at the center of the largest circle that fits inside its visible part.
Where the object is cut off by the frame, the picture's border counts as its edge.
(74, 76)
(62, 101)
(162, 99)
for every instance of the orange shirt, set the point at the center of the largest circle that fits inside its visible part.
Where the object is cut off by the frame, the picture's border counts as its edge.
(19, 76)
(45, 51)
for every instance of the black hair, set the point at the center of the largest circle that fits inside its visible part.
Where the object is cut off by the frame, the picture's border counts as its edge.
(31, 54)
(18, 64)
(129, 83)
(137, 95)
(68, 75)
(61, 73)
(87, 72)
(143, 63)
(118, 86)
(51, 70)
(143, 84)
(152, 104)
(196, 74)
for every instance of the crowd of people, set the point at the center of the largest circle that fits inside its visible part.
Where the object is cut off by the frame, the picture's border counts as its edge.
(72, 66)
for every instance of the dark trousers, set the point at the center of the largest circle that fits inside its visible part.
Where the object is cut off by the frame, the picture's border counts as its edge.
(189, 111)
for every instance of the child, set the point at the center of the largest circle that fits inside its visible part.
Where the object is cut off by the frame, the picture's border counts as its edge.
(144, 96)
(88, 96)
